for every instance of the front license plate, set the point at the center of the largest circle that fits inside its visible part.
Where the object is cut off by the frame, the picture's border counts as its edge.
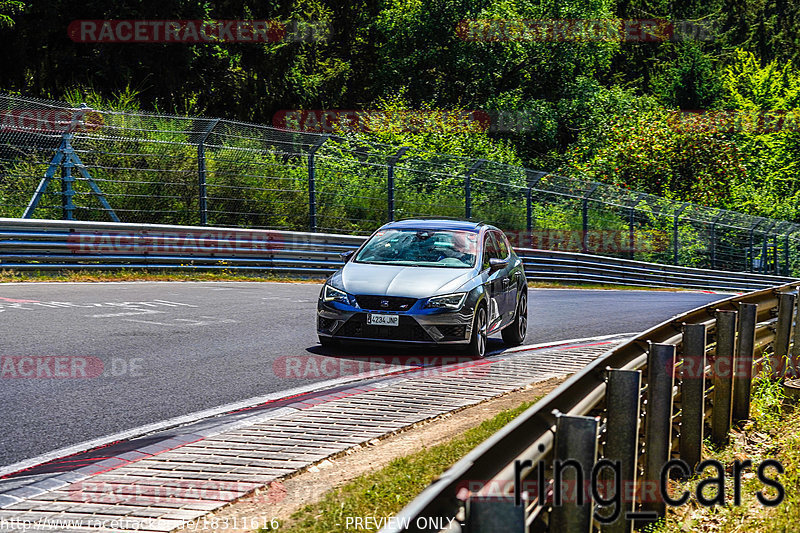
(383, 320)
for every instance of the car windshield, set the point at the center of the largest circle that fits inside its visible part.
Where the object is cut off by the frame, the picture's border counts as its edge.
(414, 247)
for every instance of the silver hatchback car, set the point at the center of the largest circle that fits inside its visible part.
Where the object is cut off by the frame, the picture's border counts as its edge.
(427, 281)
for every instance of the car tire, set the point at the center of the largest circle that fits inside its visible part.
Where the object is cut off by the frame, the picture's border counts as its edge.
(477, 343)
(328, 342)
(514, 333)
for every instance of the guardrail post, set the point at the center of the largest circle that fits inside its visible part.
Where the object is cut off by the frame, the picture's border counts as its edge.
(390, 181)
(723, 365)
(782, 334)
(575, 453)
(743, 371)
(794, 359)
(201, 172)
(468, 187)
(658, 425)
(492, 514)
(312, 183)
(623, 409)
(693, 386)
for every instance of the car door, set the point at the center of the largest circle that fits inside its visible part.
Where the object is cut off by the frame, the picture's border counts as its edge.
(509, 299)
(493, 282)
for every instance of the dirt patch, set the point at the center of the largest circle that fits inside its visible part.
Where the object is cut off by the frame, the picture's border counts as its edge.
(288, 495)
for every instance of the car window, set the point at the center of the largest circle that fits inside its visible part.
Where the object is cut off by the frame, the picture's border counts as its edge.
(490, 250)
(421, 247)
(502, 244)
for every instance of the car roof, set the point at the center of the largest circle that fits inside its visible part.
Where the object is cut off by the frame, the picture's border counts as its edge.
(435, 223)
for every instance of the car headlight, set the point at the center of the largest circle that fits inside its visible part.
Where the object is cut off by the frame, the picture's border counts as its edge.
(332, 294)
(447, 301)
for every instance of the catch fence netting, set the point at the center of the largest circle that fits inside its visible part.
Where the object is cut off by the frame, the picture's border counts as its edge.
(63, 161)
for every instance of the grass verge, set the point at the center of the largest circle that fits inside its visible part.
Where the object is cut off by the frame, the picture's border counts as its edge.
(773, 432)
(385, 492)
(601, 286)
(11, 276)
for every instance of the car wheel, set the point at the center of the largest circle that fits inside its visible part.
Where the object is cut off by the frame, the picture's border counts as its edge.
(514, 333)
(328, 342)
(477, 344)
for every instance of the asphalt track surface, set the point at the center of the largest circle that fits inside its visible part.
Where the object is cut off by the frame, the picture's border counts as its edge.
(101, 358)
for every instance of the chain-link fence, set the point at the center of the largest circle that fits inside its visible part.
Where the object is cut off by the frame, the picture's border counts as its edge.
(58, 161)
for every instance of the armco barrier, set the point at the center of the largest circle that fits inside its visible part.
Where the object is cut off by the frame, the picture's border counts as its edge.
(662, 388)
(61, 245)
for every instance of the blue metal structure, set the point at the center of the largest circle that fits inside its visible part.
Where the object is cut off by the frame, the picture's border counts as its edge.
(66, 159)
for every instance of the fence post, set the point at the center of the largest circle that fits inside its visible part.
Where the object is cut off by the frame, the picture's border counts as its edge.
(765, 247)
(468, 187)
(693, 387)
(623, 409)
(585, 219)
(574, 457)
(675, 233)
(201, 172)
(390, 181)
(529, 213)
(67, 190)
(714, 241)
(786, 255)
(723, 365)
(743, 371)
(775, 254)
(658, 425)
(312, 185)
(631, 221)
(750, 248)
(782, 334)
(532, 178)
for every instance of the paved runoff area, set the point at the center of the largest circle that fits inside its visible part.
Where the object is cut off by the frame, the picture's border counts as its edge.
(162, 481)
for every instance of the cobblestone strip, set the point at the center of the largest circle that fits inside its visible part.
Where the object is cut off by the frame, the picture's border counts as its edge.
(162, 487)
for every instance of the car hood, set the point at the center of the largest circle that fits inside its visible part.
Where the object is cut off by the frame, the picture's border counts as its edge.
(394, 280)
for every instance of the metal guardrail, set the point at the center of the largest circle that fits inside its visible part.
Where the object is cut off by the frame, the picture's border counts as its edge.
(659, 389)
(70, 245)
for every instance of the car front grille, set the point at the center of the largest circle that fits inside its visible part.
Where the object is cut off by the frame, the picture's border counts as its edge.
(385, 303)
(407, 330)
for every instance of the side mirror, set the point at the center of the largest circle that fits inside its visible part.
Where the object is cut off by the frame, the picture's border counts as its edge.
(496, 264)
(346, 255)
